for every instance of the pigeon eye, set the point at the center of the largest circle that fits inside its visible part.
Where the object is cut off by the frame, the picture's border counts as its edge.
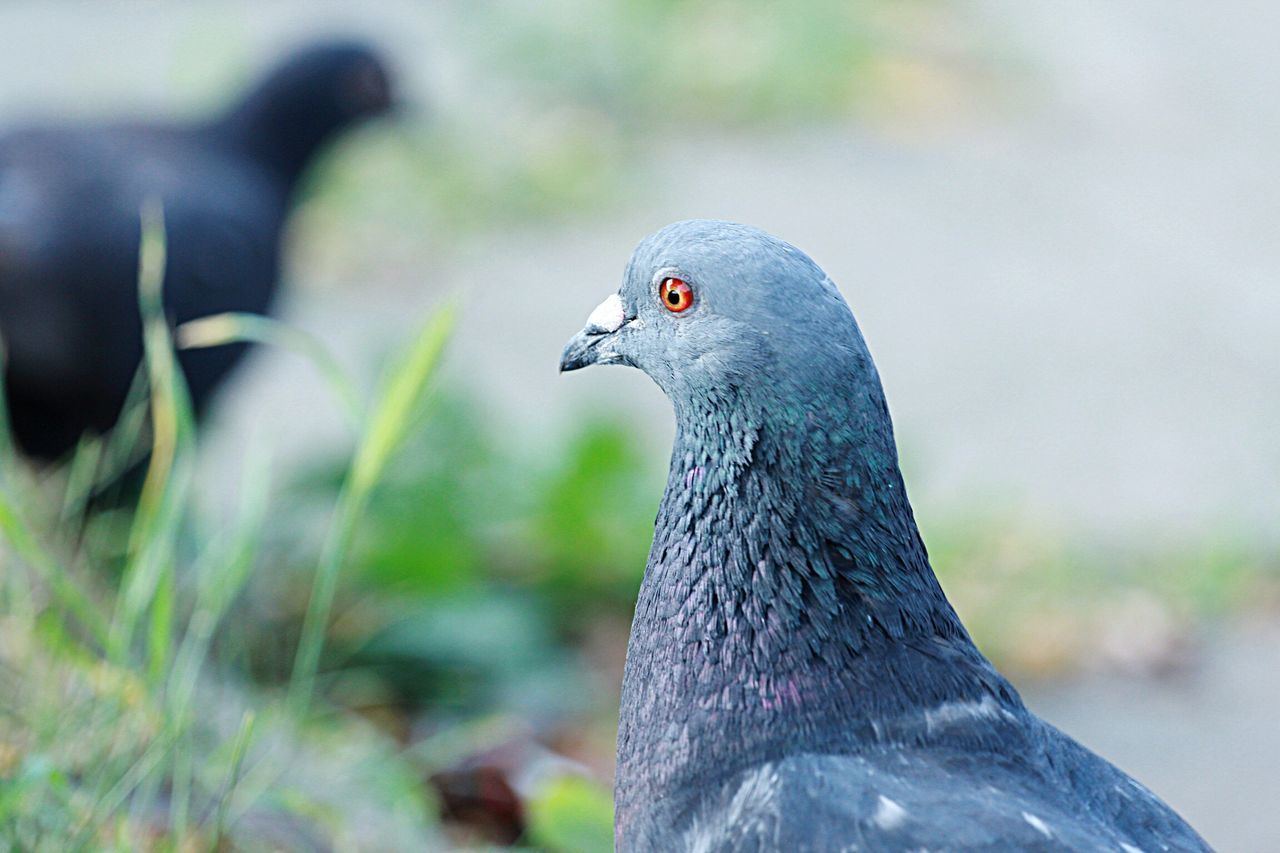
(676, 296)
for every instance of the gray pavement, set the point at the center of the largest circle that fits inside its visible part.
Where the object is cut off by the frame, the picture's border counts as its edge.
(1205, 741)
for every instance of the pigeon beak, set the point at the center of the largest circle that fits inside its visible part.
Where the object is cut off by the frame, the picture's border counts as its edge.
(583, 349)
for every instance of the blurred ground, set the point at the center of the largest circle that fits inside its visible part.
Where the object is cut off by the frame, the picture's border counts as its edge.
(1066, 279)
(1205, 740)
(1059, 241)
(1063, 263)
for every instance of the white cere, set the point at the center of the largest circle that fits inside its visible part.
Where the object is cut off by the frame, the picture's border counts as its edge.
(608, 315)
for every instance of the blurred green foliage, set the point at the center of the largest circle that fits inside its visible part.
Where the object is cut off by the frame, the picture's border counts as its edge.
(558, 102)
(658, 65)
(1040, 602)
(462, 510)
(480, 568)
(592, 520)
(573, 816)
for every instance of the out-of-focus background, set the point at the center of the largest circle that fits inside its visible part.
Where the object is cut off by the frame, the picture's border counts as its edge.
(1056, 224)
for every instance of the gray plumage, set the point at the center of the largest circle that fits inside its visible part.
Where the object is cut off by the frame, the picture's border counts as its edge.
(796, 679)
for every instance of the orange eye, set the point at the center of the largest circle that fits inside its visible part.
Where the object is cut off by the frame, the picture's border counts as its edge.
(675, 295)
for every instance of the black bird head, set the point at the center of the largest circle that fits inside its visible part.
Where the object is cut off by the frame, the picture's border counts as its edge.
(307, 100)
(708, 307)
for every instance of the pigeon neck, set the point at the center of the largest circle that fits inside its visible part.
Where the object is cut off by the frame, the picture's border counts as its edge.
(788, 604)
(804, 513)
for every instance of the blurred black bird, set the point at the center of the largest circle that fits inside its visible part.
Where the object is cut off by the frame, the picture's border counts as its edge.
(796, 679)
(69, 235)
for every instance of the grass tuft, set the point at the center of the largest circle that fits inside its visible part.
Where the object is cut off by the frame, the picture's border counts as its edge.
(122, 731)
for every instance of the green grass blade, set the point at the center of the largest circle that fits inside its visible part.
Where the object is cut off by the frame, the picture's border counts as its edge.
(18, 534)
(236, 327)
(401, 394)
(7, 450)
(172, 420)
(147, 584)
(180, 787)
(233, 776)
(128, 782)
(81, 476)
(219, 583)
(125, 445)
(398, 400)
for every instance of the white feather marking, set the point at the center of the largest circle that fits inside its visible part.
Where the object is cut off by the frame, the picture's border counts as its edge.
(608, 315)
(1129, 848)
(950, 713)
(1037, 824)
(889, 815)
(754, 806)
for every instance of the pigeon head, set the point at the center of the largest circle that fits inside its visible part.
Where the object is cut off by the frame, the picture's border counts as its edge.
(715, 309)
(309, 98)
(791, 653)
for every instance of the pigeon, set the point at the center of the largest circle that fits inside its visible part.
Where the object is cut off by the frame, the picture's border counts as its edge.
(70, 201)
(795, 677)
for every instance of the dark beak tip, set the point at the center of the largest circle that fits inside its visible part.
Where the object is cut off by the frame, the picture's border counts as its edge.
(576, 354)
(583, 349)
